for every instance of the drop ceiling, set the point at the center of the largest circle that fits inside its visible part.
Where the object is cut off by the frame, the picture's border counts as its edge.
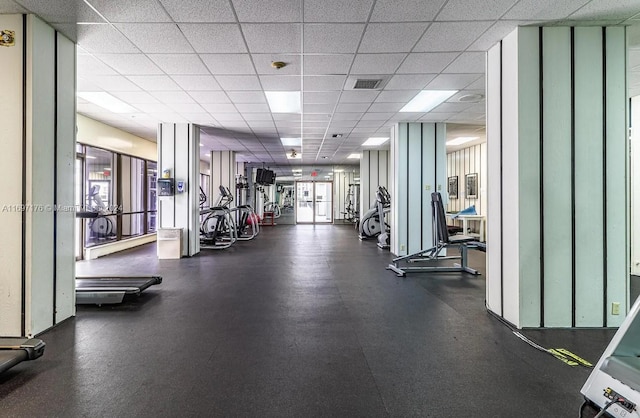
(209, 63)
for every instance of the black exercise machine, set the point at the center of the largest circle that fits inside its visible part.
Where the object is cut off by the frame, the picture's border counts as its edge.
(17, 350)
(111, 289)
(442, 241)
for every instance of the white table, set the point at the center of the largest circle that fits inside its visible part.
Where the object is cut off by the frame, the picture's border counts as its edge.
(465, 222)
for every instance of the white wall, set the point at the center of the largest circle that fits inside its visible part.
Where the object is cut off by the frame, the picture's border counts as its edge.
(557, 210)
(223, 173)
(97, 134)
(465, 161)
(341, 182)
(374, 172)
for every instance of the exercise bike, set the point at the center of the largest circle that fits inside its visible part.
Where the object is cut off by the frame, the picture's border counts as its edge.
(373, 221)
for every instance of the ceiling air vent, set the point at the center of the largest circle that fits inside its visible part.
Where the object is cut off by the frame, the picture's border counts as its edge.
(366, 84)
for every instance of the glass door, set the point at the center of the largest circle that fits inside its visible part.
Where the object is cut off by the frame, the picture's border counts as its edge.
(314, 202)
(79, 202)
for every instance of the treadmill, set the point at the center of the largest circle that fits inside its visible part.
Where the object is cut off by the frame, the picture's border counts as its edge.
(98, 290)
(17, 350)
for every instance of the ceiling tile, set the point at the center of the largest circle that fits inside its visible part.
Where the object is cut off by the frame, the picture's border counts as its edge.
(321, 97)
(265, 116)
(152, 37)
(436, 117)
(331, 38)
(9, 7)
(170, 97)
(128, 11)
(479, 84)
(427, 62)
(247, 96)
(543, 9)
(114, 83)
(87, 64)
(231, 64)
(252, 108)
(263, 64)
(103, 39)
(369, 124)
(337, 124)
(322, 117)
(286, 117)
(281, 82)
(409, 81)
(391, 37)
(352, 107)
(228, 117)
(346, 116)
(452, 81)
(382, 116)
(209, 96)
(319, 108)
(474, 10)
(405, 10)
(196, 82)
(467, 62)
(217, 108)
(199, 10)
(268, 11)
(238, 82)
(62, 11)
(130, 64)
(355, 96)
(183, 108)
(180, 64)
(396, 96)
(386, 107)
(214, 37)
(327, 64)
(451, 107)
(153, 107)
(377, 63)
(272, 38)
(154, 82)
(456, 97)
(86, 85)
(450, 36)
(134, 97)
(608, 9)
(336, 10)
(323, 82)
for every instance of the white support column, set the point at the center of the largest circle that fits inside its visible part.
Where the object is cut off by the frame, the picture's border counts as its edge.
(374, 172)
(37, 218)
(419, 168)
(178, 152)
(558, 244)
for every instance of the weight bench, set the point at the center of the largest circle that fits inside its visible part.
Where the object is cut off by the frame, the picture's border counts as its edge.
(17, 350)
(442, 241)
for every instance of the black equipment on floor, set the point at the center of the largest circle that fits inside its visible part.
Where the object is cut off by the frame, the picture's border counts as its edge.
(17, 350)
(99, 290)
(441, 241)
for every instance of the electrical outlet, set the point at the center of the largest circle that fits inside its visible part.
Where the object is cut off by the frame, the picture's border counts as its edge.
(615, 308)
(402, 247)
(439, 187)
(427, 187)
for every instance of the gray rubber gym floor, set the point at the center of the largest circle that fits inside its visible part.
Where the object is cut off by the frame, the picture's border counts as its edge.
(303, 321)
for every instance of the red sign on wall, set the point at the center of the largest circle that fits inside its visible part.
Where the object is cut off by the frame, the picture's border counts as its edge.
(314, 174)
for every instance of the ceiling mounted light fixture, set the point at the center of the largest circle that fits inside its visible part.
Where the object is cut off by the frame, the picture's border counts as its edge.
(461, 140)
(284, 101)
(426, 100)
(291, 142)
(106, 101)
(374, 142)
(354, 156)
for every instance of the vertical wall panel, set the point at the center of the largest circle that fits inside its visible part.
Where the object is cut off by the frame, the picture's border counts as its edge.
(635, 186)
(510, 176)
(223, 166)
(393, 189)
(402, 183)
(11, 180)
(482, 205)
(528, 188)
(166, 147)
(414, 167)
(181, 170)
(589, 241)
(428, 183)
(66, 153)
(365, 183)
(557, 188)
(616, 172)
(40, 166)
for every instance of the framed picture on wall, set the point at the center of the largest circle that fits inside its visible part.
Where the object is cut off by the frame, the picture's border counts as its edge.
(452, 187)
(471, 188)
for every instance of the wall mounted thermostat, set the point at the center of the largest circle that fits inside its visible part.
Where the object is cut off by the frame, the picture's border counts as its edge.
(180, 187)
(165, 187)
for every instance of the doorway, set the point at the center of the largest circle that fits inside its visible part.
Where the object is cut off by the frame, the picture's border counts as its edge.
(314, 202)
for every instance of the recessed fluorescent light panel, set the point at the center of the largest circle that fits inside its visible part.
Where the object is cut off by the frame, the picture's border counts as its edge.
(374, 142)
(296, 170)
(284, 101)
(107, 101)
(461, 140)
(427, 100)
(291, 142)
(339, 170)
(354, 156)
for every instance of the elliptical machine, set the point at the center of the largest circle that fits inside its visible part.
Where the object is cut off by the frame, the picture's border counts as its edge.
(373, 221)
